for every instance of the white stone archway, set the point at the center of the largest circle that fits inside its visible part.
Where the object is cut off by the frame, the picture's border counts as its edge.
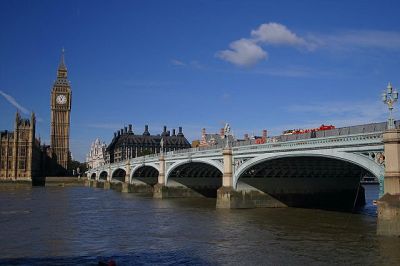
(136, 167)
(213, 163)
(357, 159)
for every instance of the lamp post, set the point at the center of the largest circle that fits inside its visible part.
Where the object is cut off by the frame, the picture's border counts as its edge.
(389, 97)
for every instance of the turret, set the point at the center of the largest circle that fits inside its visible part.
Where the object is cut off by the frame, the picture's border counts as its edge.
(180, 134)
(146, 131)
(17, 118)
(33, 125)
(164, 133)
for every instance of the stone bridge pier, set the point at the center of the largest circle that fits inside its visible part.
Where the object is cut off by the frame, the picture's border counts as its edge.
(389, 205)
(186, 179)
(231, 198)
(160, 190)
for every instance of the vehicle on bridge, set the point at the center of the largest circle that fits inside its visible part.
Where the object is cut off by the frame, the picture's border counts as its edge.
(302, 131)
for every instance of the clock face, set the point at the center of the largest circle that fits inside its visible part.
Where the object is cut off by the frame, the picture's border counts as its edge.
(61, 99)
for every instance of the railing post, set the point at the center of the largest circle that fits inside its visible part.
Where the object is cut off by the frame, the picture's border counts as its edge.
(389, 204)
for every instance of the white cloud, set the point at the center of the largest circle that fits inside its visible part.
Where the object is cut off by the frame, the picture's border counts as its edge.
(243, 52)
(247, 52)
(14, 102)
(293, 72)
(17, 105)
(345, 113)
(177, 62)
(275, 33)
(388, 40)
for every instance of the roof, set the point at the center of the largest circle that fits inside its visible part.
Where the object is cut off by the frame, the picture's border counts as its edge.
(130, 139)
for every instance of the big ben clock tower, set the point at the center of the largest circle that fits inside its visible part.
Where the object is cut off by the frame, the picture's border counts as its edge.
(61, 97)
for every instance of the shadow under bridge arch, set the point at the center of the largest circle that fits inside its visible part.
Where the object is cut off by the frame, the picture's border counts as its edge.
(119, 175)
(103, 175)
(204, 177)
(310, 180)
(93, 176)
(147, 174)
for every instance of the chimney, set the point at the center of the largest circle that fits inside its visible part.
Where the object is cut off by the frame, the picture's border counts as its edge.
(126, 130)
(115, 134)
(164, 133)
(168, 133)
(203, 132)
(180, 134)
(122, 131)
(264, 134)
(222, 132)
(130, 128)
(246, 136)
(173, 132)
(119, 133)
(146, 131)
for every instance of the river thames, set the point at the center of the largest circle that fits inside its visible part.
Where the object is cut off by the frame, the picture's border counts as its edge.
(82, 226)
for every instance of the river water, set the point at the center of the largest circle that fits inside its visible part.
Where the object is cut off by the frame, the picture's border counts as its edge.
(82, 226)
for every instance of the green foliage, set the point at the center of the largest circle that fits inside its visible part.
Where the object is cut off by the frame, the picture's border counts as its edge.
(78, 167)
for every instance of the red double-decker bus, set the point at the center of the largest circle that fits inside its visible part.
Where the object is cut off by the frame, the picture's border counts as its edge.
(302, 131)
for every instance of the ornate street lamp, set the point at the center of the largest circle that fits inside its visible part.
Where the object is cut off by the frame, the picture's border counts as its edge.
(389, 97)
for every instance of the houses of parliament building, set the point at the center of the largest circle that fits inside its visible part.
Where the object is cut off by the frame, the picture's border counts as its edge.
(22, 157)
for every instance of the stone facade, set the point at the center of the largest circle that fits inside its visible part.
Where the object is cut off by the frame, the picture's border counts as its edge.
(126, 144)
(208, 140)
(20, 154)
(96, 156)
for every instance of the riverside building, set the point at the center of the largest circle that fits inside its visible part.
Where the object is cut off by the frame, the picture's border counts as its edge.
(20, 152)
(125, 144)
(97, 153)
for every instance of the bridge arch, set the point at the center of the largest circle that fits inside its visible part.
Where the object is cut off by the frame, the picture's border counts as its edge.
(322, 179)
(93, 176)
(203, 176)
(180, 163)
(118, 175)
(103, 175)
(145, 173)
(362, 161)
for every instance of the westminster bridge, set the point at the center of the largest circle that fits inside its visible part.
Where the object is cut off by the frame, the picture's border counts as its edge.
(307, 170)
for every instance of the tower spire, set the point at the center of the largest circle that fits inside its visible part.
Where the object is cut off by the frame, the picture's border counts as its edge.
(62, 60)
(62, 69)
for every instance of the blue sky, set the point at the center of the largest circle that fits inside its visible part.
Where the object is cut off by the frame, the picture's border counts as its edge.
(255, 64)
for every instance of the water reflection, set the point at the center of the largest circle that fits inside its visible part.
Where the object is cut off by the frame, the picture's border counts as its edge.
(79, 225)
